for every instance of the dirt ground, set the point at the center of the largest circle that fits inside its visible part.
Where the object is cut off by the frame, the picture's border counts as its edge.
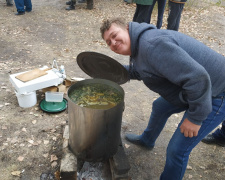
(31, 140)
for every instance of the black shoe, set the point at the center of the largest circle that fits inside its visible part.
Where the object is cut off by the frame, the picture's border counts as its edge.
(9, 3)
(209, 139)
(71, 7)
(20, 13)
(135, 139)
(82, 1)
(68, 2)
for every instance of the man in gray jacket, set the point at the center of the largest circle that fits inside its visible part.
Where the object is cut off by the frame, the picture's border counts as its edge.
(188, 76)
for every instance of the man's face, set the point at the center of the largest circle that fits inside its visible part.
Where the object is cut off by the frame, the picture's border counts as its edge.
(118, 40)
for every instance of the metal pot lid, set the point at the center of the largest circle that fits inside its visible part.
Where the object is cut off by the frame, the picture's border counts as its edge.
(101, 66)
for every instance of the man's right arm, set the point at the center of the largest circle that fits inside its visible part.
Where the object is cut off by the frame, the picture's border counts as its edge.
(132, 73)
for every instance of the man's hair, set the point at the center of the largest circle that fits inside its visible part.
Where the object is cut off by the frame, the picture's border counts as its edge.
(107, 24)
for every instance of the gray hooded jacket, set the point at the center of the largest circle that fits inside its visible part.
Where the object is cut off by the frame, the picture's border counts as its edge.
(181, 69)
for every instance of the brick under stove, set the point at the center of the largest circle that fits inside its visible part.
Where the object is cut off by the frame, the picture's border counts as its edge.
(70, 164)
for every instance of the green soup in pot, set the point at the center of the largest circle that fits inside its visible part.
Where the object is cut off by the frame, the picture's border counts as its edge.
(96, 96)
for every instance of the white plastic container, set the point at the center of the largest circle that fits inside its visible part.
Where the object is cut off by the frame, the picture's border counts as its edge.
(54, 96)
(26, 100)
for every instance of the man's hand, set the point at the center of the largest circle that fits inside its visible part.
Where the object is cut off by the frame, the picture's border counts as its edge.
(189, 129)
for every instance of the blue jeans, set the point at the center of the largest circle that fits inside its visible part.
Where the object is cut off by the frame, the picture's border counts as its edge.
(179, 147)
(161, 8)
(220, 133)
(21, 3)
(142, 13)
(173, 20)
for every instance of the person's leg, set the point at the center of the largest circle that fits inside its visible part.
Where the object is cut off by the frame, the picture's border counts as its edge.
(173, 20)
(136, 13)
(142, 13)
(19, 5)
(180, 147)
(151, 10)
(90, 4)
(28, 5)
(161, 111)
(161, 9)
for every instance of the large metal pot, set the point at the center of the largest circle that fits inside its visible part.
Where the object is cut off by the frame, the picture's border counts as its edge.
(94, 134)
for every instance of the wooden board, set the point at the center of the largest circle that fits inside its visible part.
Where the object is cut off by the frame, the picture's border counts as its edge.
(30, 75)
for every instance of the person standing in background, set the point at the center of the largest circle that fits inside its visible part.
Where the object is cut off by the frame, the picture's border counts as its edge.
(143, 10)
(161, 8)
(175, 11)
(20, 4)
